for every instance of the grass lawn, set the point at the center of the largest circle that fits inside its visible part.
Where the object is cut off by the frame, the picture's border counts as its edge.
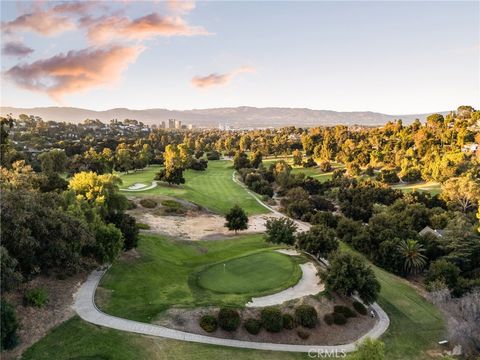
(213, 189)
(252, 274)
(416, 325)
(168, 272)
(432, 187)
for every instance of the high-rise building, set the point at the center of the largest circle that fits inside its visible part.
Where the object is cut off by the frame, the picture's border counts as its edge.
(171, 123)
(178, 124)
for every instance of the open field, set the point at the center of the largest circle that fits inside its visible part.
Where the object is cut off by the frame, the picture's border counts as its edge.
(166, 274)
(432, 187)
(416, 325)
(212, 189)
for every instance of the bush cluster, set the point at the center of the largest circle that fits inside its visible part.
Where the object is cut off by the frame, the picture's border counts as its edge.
(148, 203)
(288, 321)
(306, 316)
(253, 326)
(339, 318)
(359, 307)
(328, 318)
(208, 323)
(9, 325)
(346, 311)
(228, 319)
(37, 297)
(272, 319)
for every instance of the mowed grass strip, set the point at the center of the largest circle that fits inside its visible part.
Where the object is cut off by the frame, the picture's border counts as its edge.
(254, 274)
(213, 188)
(166, 275)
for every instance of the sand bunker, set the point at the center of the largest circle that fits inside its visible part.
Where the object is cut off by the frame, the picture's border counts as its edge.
(140, 187)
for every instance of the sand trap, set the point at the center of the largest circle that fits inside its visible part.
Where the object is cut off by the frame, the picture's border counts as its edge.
(198, 226)
(290, 252)
(140, 187)
(136, 186)
(309, 284)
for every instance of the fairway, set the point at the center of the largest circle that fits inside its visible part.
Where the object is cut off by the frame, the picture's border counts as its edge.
(213, 189)
(432, 187)
(257, 273)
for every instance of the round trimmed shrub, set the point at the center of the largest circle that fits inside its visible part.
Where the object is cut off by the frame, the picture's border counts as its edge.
(272, 319)
(339, 319)
(208, 323)
(288, 321)
(306, 316)
(148, 203)
(328, 318)
(253, 326)
(359, 307)
(37, 297)
(303, 334)
(346, 311)
(228, 319)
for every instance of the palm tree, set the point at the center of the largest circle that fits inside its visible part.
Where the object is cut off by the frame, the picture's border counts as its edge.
(412, 251)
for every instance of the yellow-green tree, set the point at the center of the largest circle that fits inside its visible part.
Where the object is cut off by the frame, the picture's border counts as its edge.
(93, 188)
(462, 192)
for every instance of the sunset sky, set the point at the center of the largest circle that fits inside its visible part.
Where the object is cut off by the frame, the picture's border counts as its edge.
(390, 57)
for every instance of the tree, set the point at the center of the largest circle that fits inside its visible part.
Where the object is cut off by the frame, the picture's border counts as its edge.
(462, 192)
(123, 159)
(171, 176)
(280, 231)
(412, 252)
(237, 219)
(9, 325)
(443, 271)
(240, 161)
(128, 226)
(53, 161)
(108, 243)
(256, 159)
(319, 241)
(297, 157)
(348, 274)
(369, 349)
(93, 188)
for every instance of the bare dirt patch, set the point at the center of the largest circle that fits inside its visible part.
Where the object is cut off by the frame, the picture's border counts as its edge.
(323, 334)
(195, 224)
(36, 322)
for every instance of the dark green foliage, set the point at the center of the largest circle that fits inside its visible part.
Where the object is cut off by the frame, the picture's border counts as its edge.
(208, 323)
(272, 319)
(388, 176)
(199, 165)
(328, 318)
(304, 335)
(213, 155)
(288, 321)
(309, 163)
(108, 243)
(143, 226)
(9, 326)
(253, 326)
(444, 271)
(306, 316)
(171, 176)
(280, 231)
(359, 307)
(325, 218)
(348, 274)
(339, 319)
(237, 219)
(228, 319)
(240, 161)
(345, 310)
(128, 226)
(319, 241)
(148, 203)
(10, 275)
(37, 297)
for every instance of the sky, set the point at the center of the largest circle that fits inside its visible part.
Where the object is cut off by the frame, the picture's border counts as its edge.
(391, 57)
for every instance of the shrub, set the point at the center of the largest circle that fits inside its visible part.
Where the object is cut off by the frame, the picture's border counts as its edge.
(346, 311)
(303, 334)
(228, 319)
(288, 321)
(37, 297)
(213, 155)
(148, 203)
(359, 307)
(131, 205)
(272, 319)
(172, 207)
(208, 323)
(9, 325)
(143, 226)
(328, 318)
(339, 319)
(253, 326)
(306, 316)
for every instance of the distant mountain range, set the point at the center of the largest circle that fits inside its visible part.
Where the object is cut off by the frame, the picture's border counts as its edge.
(235, 117)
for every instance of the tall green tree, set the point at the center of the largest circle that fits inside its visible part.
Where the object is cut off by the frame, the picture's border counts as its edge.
(236, 219)
(412, 253)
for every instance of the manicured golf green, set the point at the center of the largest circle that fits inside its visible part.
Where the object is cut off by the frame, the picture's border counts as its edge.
(256, 273)
(432, 187)
(166, 275)
(213, 189)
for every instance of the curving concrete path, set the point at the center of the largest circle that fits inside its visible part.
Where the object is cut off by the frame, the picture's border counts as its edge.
(85, 307)
(143, 188)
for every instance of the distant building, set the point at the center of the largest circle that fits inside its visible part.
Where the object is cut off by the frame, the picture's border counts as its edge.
(178, 124)
(428, 230)
(191, 127)
(171, 123)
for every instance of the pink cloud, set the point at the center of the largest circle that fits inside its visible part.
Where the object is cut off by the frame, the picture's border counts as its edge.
(44, 22)
(115, 27)
(180, 7)
(219, 79)
(74, 71)
(16, 48)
